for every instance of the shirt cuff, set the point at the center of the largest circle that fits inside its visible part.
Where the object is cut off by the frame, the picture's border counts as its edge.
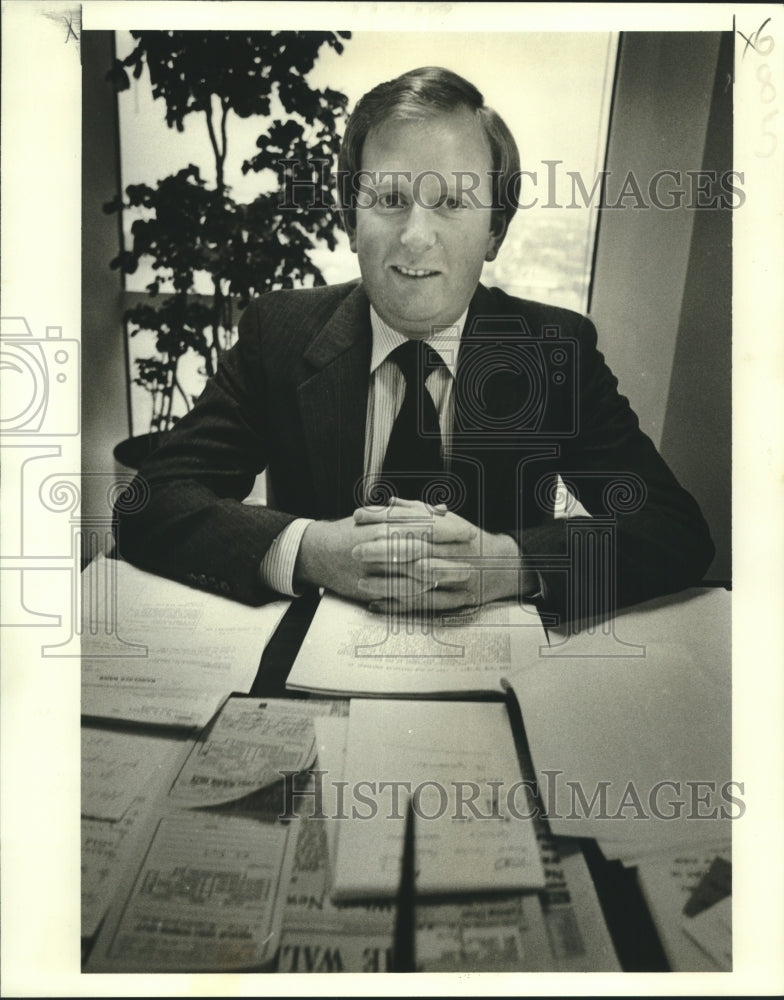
(277, 567)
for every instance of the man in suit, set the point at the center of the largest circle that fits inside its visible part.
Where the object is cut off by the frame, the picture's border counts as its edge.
(413, 425)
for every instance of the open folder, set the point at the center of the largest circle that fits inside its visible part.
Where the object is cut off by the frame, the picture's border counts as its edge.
(349, 650)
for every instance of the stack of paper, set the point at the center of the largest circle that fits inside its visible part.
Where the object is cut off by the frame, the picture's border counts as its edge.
(122, 773)
(204, 889)
(635, 751)
(698, 943)
(559, 928)
(457, 762)
(207, 895)
(352, 651)
(156, 651)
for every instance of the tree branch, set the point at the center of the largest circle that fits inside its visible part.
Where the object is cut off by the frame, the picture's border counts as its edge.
(224, 138)
(215, 149)
(179, 388)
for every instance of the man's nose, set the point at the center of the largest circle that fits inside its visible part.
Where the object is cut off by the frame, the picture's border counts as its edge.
(419, 230)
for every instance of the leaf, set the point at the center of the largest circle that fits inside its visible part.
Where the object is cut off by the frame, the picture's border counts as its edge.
(186, 224)
(118, 77)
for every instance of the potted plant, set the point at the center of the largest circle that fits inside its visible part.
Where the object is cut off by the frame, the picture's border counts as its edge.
(190, 224)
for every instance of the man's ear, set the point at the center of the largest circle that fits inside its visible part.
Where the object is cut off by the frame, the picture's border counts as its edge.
(498, 228)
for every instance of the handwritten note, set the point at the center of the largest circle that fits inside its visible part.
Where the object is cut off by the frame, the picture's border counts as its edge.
(441, 754)
(119, 766)
(759, 47)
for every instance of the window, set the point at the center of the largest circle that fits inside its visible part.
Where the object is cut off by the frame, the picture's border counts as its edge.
(552, 89)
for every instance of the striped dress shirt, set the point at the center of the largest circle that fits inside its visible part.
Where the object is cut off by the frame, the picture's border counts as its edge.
(385, 397)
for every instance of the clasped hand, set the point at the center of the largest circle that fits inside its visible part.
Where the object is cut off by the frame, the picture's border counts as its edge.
(409, 555)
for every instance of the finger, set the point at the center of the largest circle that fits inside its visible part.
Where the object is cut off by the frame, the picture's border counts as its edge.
(381, 569)
(393, 588)
(370, 515)
(455, 550)
(427, 572)
(393, 570)
(391, 550)
(402, 503)
(440, 572)
(445, 527)
(384, 533)
(453, 529)
(370, 531)
(430, 601)
(394, 510)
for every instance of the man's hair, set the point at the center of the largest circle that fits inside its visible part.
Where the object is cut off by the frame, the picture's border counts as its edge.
(422, 93)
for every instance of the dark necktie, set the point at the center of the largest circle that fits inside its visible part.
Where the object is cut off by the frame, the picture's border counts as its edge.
(413, 459)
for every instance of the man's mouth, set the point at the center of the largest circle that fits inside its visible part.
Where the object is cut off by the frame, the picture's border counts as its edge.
(414, 272)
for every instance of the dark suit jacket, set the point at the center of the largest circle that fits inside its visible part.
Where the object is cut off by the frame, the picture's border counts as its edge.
(533, 399)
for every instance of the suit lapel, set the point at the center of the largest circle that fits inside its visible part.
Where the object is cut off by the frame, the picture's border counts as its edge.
(488, 397)
(333, 404)
(498, 379)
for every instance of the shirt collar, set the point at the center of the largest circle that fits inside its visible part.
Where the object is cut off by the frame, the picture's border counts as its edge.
(444, 342)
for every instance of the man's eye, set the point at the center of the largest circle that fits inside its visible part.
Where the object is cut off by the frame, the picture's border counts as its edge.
(391, 199)
(454, 203)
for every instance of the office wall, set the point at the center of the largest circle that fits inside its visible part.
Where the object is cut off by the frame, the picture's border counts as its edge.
(661, 287)
(104, 403)
(697, 435)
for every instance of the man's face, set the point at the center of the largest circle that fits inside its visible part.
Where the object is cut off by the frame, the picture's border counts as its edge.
(421, 233)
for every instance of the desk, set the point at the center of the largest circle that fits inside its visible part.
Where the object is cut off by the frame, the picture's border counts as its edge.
(633, 933)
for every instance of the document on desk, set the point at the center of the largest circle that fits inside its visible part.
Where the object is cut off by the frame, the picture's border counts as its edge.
(319, 935)
(248, 747)
(106, 846)
(350, 650)
(155, 651)
(207, 896)
(331, 745)
(712, 931)
(478, 934)
(117, 767)
(121, 775)
(442, 754)
(558, 929)
(636, 751)
(667, 883)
